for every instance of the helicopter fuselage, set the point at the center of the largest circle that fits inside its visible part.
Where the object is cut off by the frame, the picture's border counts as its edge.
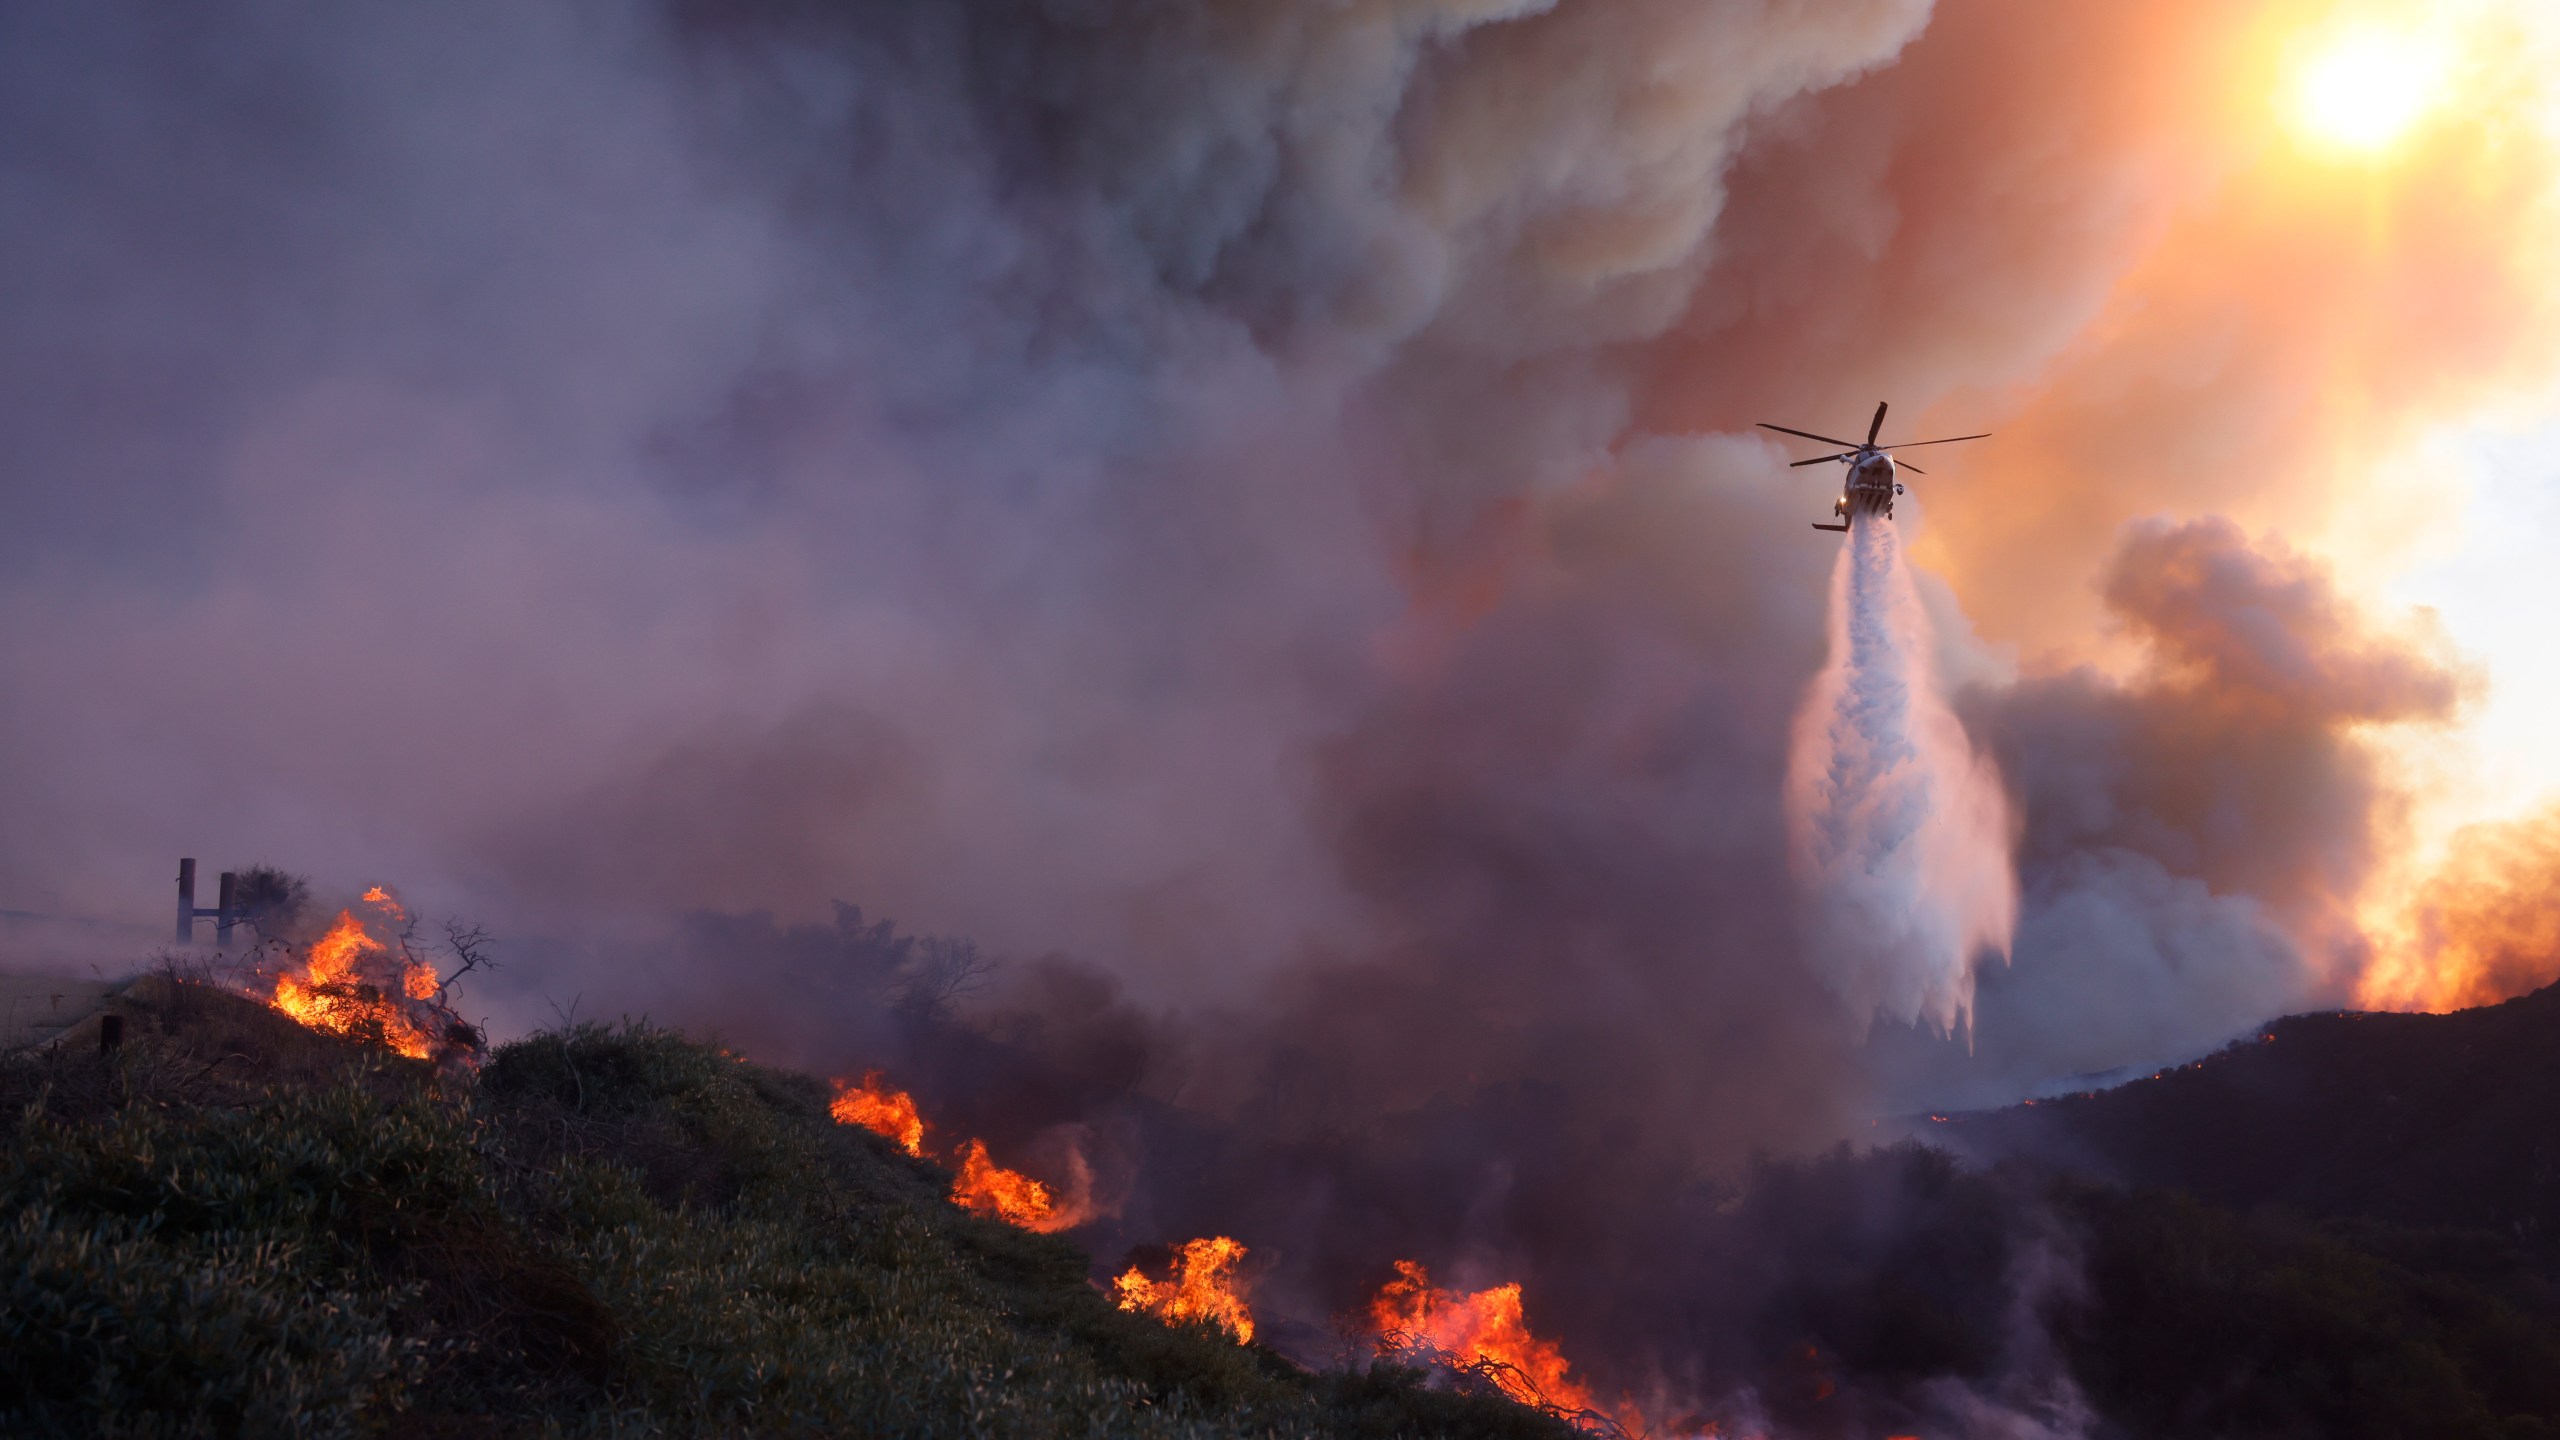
(1870, 488)
(1873, 480)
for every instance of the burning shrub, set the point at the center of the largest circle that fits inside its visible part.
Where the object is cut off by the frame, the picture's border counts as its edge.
(1482, 1336)
(364, 980)
(1201, 1287)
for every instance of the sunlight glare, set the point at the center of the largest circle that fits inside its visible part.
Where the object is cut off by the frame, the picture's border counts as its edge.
(2368, 86)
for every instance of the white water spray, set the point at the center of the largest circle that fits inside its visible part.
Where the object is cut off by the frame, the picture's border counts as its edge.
(1900, 831)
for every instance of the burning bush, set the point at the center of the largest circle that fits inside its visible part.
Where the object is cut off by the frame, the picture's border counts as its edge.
(1201, 1287)
(363, 979)
(1482, 1335)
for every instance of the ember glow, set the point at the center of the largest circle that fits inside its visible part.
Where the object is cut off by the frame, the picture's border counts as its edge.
(1484, 1331)
(874, 1106)
(1202, 1286)
(360, 980)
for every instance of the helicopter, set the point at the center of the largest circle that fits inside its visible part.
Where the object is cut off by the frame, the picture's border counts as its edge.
(1870, 487)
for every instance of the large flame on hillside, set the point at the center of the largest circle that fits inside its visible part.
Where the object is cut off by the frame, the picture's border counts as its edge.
(1484, 1332)
(359, 980)
(884, 1111)
(1201, 1287)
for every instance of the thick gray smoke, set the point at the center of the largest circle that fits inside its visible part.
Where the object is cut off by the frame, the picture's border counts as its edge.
(1901, 831)
(959, 459)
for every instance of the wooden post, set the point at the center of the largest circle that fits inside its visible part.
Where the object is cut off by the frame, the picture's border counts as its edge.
(222, 910)
(110, 1034)
(187, 902)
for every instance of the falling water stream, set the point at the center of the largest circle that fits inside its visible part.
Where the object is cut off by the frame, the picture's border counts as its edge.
(1900, 831)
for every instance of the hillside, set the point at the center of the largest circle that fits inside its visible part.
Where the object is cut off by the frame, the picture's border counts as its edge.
(233, 1226)
(2444, 1121)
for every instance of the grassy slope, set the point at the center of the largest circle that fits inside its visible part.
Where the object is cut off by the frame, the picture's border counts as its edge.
(239, 1228)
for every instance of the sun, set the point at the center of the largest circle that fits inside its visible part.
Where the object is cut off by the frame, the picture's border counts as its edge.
(2366, 86)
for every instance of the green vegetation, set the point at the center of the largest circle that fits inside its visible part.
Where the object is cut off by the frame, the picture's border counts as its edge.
(2170, 1316)
(238, 1228)
(235, 1226)
(2206, 1322)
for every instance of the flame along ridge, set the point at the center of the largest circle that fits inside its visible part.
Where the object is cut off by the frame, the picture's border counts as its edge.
(980, 1184)
(1485, 1331)
(872, 1105)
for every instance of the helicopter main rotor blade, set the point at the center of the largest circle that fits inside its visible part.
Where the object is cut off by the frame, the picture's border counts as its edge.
(1950, 440)
(1820, 460)
(1873, 425)
(1809, 435)
(1907, 465)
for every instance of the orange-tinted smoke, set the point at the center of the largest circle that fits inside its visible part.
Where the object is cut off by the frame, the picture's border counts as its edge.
(2091, 231)
(1202, 1286)
(2245, 730)
(876, 1107)
(2484, 927)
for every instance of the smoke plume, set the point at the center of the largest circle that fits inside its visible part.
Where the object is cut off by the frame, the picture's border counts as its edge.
(2479, 928)
(1900, 831)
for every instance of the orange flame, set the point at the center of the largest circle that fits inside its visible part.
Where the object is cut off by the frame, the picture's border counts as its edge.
(1201, 1287)
(877, 1108)
(1009, 1195)
(356, 984)
(1484, 1328)
(982, 1185)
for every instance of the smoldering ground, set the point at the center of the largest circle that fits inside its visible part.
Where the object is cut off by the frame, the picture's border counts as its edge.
(1182, 490)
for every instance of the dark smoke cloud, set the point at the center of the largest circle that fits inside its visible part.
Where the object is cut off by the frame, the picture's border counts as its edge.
(607, 462)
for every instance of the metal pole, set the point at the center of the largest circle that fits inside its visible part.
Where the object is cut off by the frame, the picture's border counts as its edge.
(187, 902)
(222, 911)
